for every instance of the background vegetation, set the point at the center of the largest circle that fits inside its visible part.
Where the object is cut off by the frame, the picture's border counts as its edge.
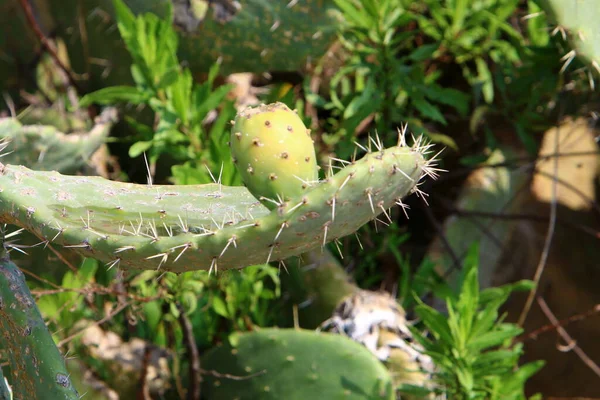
(496, 258)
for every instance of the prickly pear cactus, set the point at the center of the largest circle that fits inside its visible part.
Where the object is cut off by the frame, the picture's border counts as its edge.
(273, 152)
(182, 228)
(43, 147)
(37, 368)
(294, 364)
(249, 36)
(578, 20)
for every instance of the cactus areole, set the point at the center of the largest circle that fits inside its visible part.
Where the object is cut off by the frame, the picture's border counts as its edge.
(273, 152)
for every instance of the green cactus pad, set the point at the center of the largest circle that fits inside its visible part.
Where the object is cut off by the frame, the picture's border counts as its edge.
(578, 20)
(43, 147)
(294, 364)
(182, 228)
(273, 152)
(37, 368)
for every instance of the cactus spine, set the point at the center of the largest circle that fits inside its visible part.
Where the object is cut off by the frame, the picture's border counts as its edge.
(273, 152)
(37, 368)
(295, 364)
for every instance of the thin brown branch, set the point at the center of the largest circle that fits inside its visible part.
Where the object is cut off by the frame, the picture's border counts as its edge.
(549, 235)
(195, 375)
(456, 263)
(39, 278)
(46, 43)
(514, 162)
(63, 259)
(561, 323)
(572, 344)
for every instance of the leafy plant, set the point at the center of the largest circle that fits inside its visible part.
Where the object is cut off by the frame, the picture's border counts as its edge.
(383, 76)
(472, 346)
(473, 33)
(235, 301)
(181, 106)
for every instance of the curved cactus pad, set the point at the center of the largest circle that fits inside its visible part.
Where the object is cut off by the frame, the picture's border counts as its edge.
(181, 228)
(295, 364)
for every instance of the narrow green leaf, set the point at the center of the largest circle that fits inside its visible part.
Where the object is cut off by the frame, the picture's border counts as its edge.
(494, 338)
(435, 321)
(485, 78)
(139, 147)
(427, 109)
(114, 94)
(424, 52)
(220, 307)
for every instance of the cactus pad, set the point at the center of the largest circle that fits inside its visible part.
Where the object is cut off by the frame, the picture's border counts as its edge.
(183, 228)
(295, 364)
(37, 368)
(274, 152)
(578, 20)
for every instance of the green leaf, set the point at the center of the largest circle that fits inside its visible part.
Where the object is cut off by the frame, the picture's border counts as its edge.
(189, 301)
(517, 379)
(352, 14)
(465, 378)
(436, 322)
(169, 78)
(537, 27)
(361, 100)
(485, 78)
(427, 109)
(448, 96)
(220, 307)
(125, 18)
(424, 52)
(202, 106)
(114, 94)
(152, 313)
(139, 147)
(485, 360)
(88, 269)
(492, 339)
